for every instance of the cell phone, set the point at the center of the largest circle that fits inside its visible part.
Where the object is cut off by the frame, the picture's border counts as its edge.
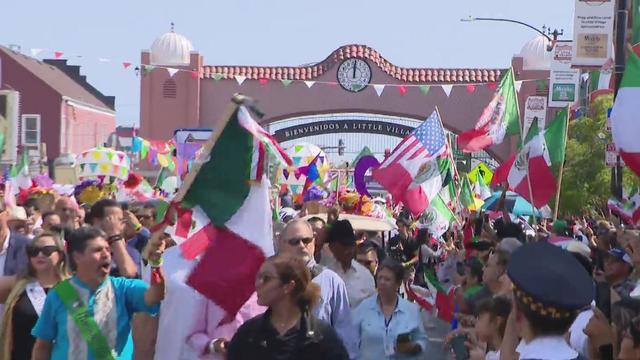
(403, 338)
(124, 205)
(603, 298)
(459, 348)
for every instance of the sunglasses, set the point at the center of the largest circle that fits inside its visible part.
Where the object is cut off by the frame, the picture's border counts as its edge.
(297, 240)
(141, 217)
(33, 251)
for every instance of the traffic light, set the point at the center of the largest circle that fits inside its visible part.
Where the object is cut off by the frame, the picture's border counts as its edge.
(340, 147)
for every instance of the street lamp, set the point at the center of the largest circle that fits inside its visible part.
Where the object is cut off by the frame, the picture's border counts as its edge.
(552, 36)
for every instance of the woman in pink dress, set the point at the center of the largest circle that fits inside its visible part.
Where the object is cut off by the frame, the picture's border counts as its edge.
(212, 329)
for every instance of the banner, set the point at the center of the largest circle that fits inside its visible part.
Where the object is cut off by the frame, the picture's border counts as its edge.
(535, 109)
(593, 32)
(611, 155)
(563, 80)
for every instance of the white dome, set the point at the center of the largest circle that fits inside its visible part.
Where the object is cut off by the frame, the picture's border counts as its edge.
(171, 49)
(535, 55)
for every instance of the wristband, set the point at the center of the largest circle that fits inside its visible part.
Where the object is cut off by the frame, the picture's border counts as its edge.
(114, 238)
(156, 263)
(138, 227)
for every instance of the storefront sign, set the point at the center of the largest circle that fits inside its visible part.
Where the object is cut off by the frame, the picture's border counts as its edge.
(593, 32)
(535, 110)
(342, 126)
(564, 81)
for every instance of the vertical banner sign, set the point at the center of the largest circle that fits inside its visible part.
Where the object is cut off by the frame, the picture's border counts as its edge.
(535, 109)
(593, 32)
(563, 80)
(611, 155)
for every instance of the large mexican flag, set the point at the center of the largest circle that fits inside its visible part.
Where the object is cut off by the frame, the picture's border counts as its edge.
(224, 221)
(625, 124)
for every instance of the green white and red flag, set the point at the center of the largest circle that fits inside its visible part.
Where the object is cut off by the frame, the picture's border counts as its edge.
(224, 220)
(498, 119)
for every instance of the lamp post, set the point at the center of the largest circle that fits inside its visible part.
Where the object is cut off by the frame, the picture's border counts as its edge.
(552, 36)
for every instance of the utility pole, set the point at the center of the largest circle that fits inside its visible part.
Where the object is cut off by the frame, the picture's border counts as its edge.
(620, 45)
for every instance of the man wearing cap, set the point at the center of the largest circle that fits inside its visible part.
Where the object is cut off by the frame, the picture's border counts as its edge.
(342, 246)
(550, 287)
(617, 270)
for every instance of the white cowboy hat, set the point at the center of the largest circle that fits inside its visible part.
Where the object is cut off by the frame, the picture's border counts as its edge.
(18, 213)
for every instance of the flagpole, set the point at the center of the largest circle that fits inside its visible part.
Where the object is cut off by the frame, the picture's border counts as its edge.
(522, 136)
(453, 163)
(566, 134)
(237, 99)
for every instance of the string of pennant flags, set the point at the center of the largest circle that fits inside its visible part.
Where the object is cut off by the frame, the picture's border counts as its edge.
(240, 79)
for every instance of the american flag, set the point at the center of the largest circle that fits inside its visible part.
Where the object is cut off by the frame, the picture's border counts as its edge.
(411, 173)
(424, 143)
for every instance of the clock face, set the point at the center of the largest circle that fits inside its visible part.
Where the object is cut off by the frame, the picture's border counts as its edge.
(354, 75)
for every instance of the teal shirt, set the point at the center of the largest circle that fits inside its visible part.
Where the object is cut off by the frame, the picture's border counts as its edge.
(128, 295)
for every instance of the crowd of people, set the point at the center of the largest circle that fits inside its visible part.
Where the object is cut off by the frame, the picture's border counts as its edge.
(94, 282)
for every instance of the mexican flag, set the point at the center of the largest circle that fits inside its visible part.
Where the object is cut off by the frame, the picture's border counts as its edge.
(438, 217)
(498, 119)
(601, 81)
(629, 210)
(625, 125)
(224, 221)
(542, 153)
(466, 195)
(426, 185)
(480, 189)
(20, 175)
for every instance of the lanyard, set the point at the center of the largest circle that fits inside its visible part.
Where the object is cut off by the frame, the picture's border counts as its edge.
(387, 322)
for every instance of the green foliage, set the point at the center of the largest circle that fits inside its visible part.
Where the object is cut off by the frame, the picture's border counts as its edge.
(586, 180)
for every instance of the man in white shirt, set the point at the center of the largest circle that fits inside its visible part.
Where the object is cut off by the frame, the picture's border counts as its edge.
(340, 259)
(177, 317)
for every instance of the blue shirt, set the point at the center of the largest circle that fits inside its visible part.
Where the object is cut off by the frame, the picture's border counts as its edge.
(371, 327)
(116, 306)
(333, 308)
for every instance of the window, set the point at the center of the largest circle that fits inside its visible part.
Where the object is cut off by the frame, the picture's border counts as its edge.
(3, 106)
(169, 89)
(31, 129)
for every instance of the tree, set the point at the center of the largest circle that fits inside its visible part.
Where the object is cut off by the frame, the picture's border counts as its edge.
(586, 179)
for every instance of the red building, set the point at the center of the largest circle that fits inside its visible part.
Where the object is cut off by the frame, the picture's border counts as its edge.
(311, 99)
(50, 105)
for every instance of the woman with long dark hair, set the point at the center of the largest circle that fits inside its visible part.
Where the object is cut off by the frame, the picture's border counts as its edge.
(24, 295)
(287, 330)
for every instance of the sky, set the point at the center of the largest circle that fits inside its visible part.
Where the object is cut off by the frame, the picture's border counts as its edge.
(412, 33)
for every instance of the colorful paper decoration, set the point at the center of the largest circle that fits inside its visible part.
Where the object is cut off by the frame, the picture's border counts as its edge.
(101, 163)
(302, 154)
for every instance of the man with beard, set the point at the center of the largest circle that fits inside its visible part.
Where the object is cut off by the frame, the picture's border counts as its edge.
(88, 316)
(297, 239)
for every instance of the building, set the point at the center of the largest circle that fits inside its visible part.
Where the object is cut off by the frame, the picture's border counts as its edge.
(338, 100)
(122, 138)
(49, 108)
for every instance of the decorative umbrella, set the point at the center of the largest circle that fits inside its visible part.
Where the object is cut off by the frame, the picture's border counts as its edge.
(101, 162)
(514, 203)
(302, 154)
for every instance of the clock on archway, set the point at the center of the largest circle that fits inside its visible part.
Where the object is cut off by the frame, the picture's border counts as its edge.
(354, 74)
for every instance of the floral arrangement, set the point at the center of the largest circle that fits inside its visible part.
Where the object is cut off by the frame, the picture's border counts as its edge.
(90, 191)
